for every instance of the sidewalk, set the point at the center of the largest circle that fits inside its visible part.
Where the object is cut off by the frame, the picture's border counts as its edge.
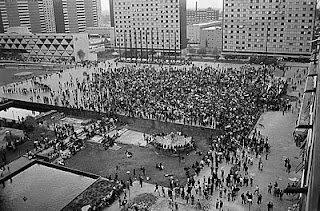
(15, 165)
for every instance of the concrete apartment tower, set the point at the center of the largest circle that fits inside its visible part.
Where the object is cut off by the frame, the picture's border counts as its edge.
(22, 13)
(49, 16)
(281, 28)
(73, 16)
(149, 26)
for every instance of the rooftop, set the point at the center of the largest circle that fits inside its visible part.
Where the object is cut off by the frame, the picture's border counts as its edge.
(57, 186)
(208, 23)
(213, 28)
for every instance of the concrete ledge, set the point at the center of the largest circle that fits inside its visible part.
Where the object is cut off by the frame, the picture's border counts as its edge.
(62, 168)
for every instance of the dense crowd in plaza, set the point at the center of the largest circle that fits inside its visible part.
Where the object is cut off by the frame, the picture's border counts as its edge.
(206, 96)
(193, 95)
(225, 98)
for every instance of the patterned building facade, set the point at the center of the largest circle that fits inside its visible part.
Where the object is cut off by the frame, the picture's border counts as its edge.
(49, 16)
(201, 16)
(211, 38)
(22, 13)
(46, 46)
(73, 16)
(41, 16)
(149, 25)
(273, 27)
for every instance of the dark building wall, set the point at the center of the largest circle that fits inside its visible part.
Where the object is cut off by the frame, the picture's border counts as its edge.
(13, 13)
(58, 16)
(1, 24)
(34, 15)
(183, 24)
(88, 10)
(72, 16)
(111, 13)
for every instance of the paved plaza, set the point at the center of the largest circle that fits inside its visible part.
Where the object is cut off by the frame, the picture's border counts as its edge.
(278, 127)
(275, 125)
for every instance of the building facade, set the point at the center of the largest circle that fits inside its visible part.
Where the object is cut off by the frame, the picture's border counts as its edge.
(211, 39)
(194, 31)
(307, 138)
(49, 16)
(201, 16)
(46, 16)
(105, 32)
(46, 46)
(22, 13)
(154, 26)
(73, 16)
(268, 27)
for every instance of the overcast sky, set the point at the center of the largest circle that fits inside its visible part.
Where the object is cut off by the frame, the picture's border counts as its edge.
(190, 4)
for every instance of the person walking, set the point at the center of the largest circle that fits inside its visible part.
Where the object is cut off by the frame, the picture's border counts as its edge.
(270, 206)
(221, 204)
(243, 199)
(140, 180)
(289, 168)
(259, 198)
(163, 192)
(217, 204)
(269, 188)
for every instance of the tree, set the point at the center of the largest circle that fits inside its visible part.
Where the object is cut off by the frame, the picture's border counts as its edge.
(215, 50)
(192, 50)
(202, 51)
(81, 54)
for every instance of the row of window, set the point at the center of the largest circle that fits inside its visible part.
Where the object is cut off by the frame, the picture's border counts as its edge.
(262, 39)
(126, 9)
(147, 23)
(268, 27)
(144, 43)
(153, 24)
(146, 4)
(270, 7)
(269, 17)
(250, 34)
(147, 30)
(270, 1)
(271, 48)
(275, 41)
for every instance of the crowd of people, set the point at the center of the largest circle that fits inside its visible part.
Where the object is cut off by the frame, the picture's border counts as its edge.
(172, 143)
(207, 96)
(226, 185)
(224, 98)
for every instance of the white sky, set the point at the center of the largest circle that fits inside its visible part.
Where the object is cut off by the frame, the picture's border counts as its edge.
(190, 4)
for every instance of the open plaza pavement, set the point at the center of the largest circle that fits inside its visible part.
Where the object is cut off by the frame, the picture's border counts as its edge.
(278, 127)
(275, 125)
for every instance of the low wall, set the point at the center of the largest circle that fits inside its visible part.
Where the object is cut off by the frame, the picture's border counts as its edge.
(62, 168)
(6, 105)
(144, 124)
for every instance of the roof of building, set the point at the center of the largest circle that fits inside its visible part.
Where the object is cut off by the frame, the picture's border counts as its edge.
(212, 28)
(207, 23)
(18, 30)
(22, 30)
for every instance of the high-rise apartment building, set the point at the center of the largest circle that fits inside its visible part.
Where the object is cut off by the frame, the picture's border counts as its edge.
(42, 16)
(75, 15)
(273, 27)
(49, 16)
(22, 13)
(151, 26)
(202, 16)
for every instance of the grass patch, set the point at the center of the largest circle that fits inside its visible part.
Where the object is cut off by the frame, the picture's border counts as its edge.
(104, 162)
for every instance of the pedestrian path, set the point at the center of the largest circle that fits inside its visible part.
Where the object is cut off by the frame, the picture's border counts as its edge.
(14, 166)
